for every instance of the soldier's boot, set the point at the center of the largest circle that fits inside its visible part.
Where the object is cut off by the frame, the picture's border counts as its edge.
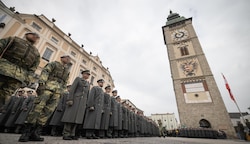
(95, 136)
(109, 133)
(17, 130)
(26, 133)
(115, 134)
(88, 134)
(6, 130)
(35, 134)
(101, 133)
(120, 134)
(126, 134)
(53, 131)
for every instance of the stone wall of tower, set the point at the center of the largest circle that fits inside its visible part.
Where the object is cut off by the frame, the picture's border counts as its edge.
(191, 113)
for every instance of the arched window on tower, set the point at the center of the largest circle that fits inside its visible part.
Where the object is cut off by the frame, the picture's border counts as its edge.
(184, 51)
(204, 123)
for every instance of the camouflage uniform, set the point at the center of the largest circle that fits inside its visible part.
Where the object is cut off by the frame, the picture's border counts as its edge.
(18, 61)
(54, 78)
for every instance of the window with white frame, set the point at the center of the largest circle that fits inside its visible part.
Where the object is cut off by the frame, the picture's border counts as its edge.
(2, 17)
(73, 53)
(47, 54)
(36, 26)
(53, 39)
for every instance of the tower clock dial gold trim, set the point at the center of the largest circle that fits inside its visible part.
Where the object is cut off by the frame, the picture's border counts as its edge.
(179, 34)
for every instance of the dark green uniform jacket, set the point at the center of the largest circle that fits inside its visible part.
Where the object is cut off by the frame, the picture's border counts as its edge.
(93, 118)
(78, 93)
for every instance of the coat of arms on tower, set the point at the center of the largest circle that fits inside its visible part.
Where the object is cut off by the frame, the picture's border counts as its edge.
(189, 67)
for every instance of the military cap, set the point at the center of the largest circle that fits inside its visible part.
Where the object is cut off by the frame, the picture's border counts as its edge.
(100, 80)
(114, 91)
(86, 71)
(108, 87)
(117, 97)
(33, 86)
(65, 55)
(33, 33)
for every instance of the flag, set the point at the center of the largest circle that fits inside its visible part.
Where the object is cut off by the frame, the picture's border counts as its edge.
(228, 88)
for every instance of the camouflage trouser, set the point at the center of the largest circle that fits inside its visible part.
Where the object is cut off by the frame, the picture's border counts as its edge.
(44, 106)
(8, 86)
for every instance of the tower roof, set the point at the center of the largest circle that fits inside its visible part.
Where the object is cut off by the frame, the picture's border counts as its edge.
(174, 18)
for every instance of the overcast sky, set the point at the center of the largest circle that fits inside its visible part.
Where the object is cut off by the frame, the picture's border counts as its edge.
(127, 36)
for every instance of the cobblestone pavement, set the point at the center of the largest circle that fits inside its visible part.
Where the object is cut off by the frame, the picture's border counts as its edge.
(12, 139)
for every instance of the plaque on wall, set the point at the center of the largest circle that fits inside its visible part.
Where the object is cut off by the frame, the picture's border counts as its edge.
(196, 92)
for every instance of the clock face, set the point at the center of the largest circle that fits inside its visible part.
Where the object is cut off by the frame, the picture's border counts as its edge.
(179, 34)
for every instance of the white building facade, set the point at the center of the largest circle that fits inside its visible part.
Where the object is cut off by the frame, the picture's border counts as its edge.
(168, 120)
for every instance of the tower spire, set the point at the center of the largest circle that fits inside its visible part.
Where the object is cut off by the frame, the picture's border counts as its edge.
(173, 18)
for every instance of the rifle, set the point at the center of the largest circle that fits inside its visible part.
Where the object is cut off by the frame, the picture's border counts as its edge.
(8, 45)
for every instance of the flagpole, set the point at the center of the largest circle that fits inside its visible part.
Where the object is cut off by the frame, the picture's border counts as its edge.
(240, 111)
(232, 97)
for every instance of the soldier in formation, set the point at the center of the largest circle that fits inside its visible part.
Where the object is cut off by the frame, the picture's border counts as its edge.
(94, 111)
(50, 106)
(16, 109)
(55, 121)
(132, 124)
(106, 114)
(113, 122)
(125, 119)
(52, 83)
(19, 59)
(25, 108)
(75, 106)
(120, 117)
(9, 109)
(14, 112)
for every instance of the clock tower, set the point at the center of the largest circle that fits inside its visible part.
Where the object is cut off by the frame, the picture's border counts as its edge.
(198, 98)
